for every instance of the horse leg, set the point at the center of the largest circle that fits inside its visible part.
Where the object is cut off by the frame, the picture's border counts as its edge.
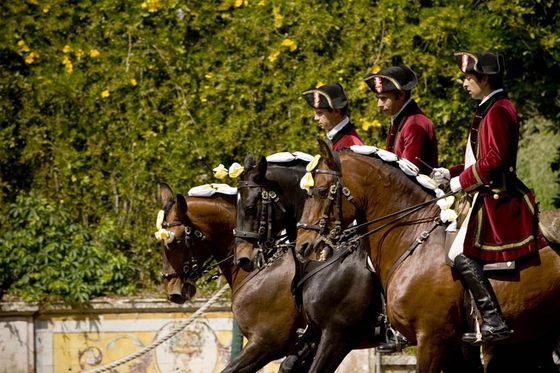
(255, 355)
(428, 357)
(301, 357)
(332, 349)
(532, 356)
(462, 359)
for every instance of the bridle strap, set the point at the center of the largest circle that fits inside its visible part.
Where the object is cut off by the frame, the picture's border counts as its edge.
(264, 235)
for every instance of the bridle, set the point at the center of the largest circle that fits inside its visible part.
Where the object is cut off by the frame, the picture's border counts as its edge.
(190, 269)
(338, 238)
(336, 191)
(266, 242)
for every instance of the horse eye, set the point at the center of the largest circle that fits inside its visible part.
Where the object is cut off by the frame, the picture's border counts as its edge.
(249, 210)
(323, 193)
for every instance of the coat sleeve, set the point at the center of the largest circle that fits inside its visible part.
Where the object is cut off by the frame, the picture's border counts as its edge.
(494, 135)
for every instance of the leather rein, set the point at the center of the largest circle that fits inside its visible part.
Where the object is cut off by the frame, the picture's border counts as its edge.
(337, 238)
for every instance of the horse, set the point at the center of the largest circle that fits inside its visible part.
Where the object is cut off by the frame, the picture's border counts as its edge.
(261, 300)
(269, 200)
(407, 246)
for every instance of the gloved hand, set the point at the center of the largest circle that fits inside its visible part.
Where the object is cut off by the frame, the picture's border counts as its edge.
(455, 184)
(441, 175)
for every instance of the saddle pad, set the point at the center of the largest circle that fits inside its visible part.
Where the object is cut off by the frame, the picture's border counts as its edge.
(208, 190)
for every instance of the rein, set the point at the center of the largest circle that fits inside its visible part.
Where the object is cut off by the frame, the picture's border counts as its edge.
(336, 191)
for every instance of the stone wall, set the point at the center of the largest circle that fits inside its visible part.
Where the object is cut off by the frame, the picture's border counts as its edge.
(62, 339)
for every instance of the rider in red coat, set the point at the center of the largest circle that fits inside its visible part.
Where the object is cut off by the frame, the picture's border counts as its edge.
(331, 107)
(411, 135)
(502, 224)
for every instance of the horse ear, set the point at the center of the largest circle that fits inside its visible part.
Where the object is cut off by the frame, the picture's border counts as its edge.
(325, 151)
(182, 203)
(165, 192)
(250, 161)
(262, 166)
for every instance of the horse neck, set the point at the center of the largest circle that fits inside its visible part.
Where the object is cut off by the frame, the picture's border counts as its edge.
(380, 190)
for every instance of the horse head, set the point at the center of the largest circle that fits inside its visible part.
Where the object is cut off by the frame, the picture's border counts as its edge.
(318, 232)
(182, 256)
(258, 218)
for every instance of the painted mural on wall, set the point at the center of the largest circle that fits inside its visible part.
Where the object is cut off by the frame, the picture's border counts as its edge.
(85, 344)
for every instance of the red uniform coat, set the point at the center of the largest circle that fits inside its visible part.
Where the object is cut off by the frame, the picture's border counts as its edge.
(503, 225)
(412, 136)
(346, 137)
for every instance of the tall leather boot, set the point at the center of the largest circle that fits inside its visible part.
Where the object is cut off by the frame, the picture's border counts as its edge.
(493, 326)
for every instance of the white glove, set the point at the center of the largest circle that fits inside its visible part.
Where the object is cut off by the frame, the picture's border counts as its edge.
(441, 175)
(455, 184)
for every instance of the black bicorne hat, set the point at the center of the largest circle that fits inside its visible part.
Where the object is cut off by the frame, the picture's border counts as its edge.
(328, 96)
(394, 78)
(480, 62)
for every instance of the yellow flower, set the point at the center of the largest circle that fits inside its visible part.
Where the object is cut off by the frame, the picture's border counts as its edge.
(277, 17)
(220, 172)
(46, 9)
(376, 69)
(290, 44)
(362, 86)
(69, 67)
(79, 53)
(367, 125)
(29, 59)
(235, 170)
(307, 181)
(273, 56)
(105, 93)
(238, 3)
(261, 3)
(159, 219)
(94, 53)
(23, 46)
(313, 163)
(66, 49)
(133, 82)
(319, 84)
(209, 76)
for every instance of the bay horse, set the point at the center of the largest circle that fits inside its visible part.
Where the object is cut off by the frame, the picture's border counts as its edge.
(261, 300)
(340, 298)
(424, 296)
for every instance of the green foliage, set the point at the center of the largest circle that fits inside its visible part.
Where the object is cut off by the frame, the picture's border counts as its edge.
(44, 255)
(101, 100)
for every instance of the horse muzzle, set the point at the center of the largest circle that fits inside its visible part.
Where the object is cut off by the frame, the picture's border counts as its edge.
(179, 291)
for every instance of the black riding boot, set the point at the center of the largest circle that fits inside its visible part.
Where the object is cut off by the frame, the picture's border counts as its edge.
(493, 326)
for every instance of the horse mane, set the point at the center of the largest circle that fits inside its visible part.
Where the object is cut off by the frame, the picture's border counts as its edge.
(399, 173)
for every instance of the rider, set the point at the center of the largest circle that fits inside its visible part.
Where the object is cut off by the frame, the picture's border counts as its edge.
(411, 135)
(331, 112)
(502, 226)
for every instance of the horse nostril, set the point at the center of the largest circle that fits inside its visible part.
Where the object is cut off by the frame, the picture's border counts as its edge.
(176, 298)
(245, 264)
